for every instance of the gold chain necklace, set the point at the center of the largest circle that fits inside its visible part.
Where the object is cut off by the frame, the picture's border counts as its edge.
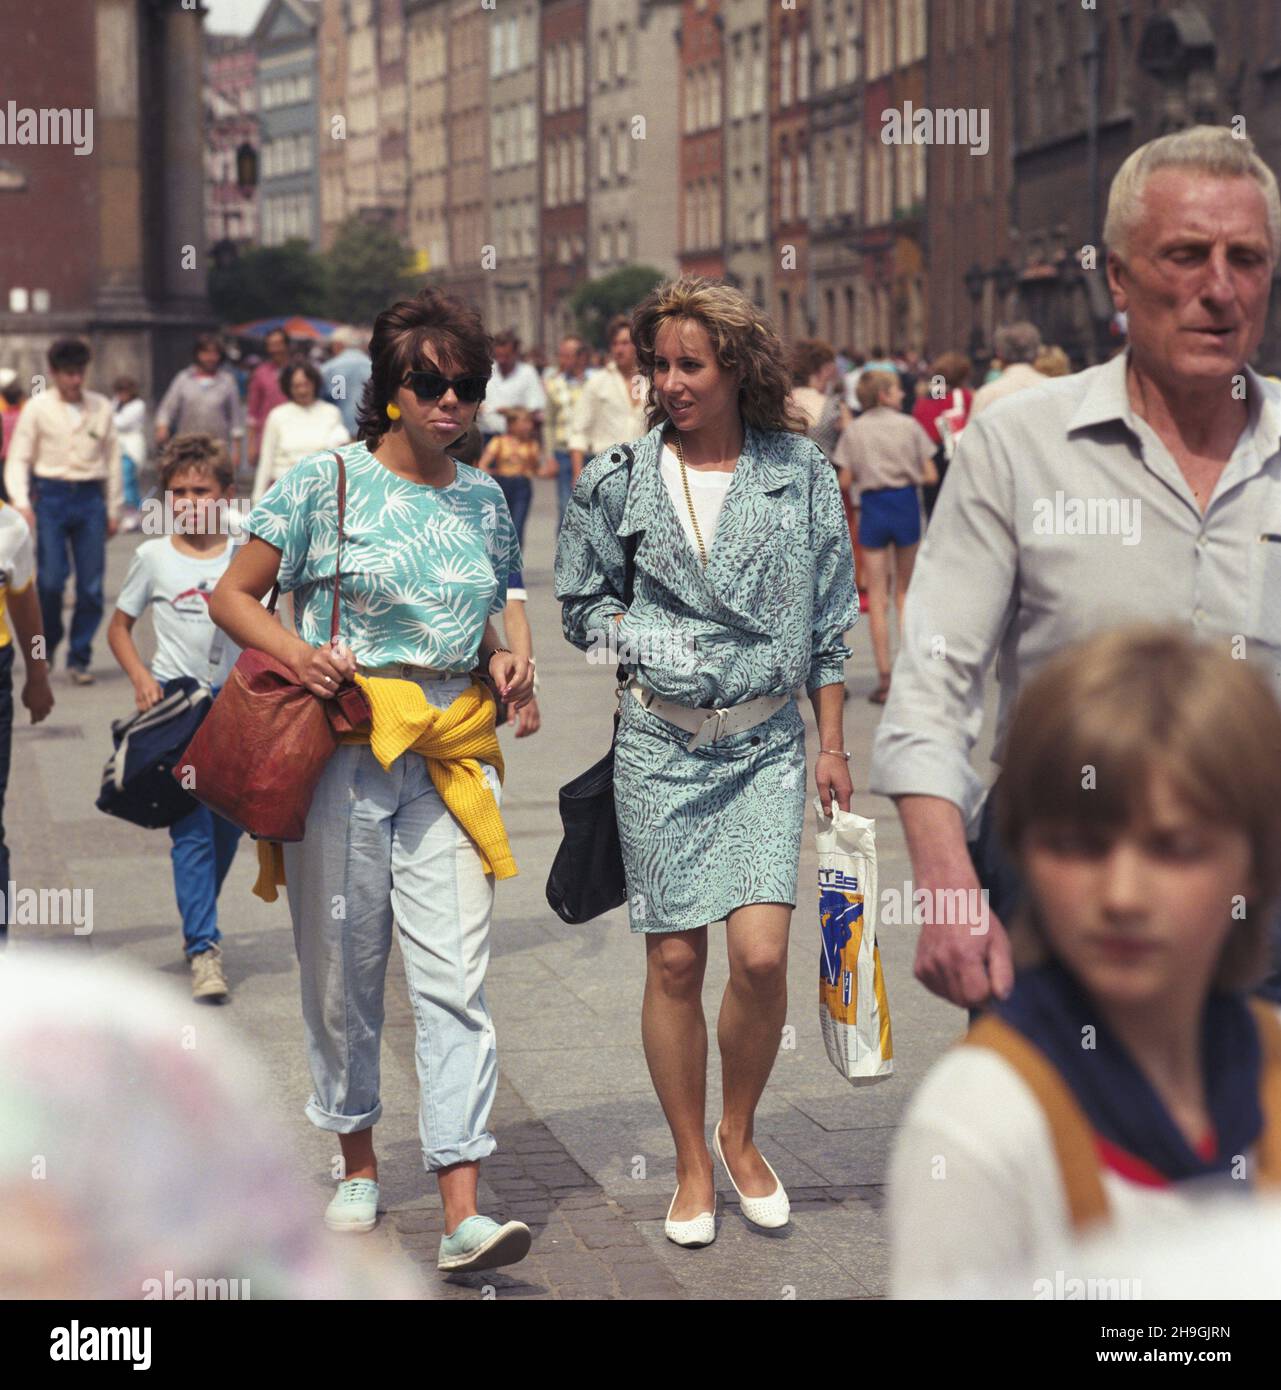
(689, 500)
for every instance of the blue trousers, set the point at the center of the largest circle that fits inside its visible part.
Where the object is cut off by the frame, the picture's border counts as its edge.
(204, 844)
(518, 492)
(564, 483)
(71, 529)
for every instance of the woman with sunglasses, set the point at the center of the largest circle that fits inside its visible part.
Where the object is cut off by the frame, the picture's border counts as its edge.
(427, 546)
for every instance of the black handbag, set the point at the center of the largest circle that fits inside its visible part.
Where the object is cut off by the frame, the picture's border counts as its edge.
(138, 782)
(586, 877)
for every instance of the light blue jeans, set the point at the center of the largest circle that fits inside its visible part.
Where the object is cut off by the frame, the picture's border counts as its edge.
(382, 847)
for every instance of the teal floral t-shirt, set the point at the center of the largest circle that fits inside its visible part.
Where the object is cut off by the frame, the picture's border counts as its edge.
(422, 567)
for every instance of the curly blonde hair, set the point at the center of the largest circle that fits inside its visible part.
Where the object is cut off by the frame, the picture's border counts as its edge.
(742, 337)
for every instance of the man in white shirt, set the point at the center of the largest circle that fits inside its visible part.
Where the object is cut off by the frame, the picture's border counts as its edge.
(611, 408)
(1176, 444)
(513, 382)
(1017, 345)
(65, 442)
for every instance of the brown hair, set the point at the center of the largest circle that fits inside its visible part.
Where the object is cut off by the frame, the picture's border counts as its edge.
(1132, 702)
(809, 355)
(286, 378)
(203, 342)
(953, 367)
(872, 386)
(1053, 361)
(431, 320)
(615, 326)
(743, 341)
(200, 453)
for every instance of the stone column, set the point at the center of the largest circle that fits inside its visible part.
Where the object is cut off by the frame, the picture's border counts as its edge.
(181, 253)
(117, 154)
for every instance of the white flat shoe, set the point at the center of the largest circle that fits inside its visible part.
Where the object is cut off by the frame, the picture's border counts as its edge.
(772, 1211)
(701, 1230)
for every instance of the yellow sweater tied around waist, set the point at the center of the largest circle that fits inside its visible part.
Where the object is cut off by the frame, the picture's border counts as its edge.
(454, 741)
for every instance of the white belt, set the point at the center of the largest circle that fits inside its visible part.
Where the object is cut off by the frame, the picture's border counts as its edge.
(404, 670)
(707, 726)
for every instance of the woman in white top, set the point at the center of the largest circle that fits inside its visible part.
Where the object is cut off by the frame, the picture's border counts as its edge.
(1127, 1074)
(303, 425)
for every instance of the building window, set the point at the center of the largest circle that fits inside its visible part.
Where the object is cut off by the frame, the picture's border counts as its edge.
(803, 65)
(549, 82)
(580, 168)
(759, 83)
(786, 211)
(603, 152)
(785, 70)
(578, 72)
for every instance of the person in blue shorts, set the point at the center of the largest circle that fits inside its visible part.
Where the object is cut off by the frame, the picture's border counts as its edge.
(889, 457)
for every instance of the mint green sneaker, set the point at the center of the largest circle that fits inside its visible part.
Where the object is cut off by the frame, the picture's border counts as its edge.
(354, 1206)
(481, 1243)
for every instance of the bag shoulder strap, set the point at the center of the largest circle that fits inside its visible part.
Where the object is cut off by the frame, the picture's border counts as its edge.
(342, 516)
(1268, 1156)
(1070, 1131)
(629, 544)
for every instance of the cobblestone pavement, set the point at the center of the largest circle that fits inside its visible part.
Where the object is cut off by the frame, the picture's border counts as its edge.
(584, 1155)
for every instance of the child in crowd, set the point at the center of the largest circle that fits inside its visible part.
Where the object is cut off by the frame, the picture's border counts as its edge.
(889, 456)
(177, 573)
(131, 420)
(1127, 1073)
(514, 458)
(21, 607)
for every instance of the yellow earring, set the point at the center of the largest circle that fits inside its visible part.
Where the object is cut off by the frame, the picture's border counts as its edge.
(393, 411)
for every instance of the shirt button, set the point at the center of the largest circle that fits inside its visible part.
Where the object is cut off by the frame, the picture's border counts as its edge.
(1200, 540)
(755, 740)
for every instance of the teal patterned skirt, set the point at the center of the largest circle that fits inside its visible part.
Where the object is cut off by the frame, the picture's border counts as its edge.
(707, 831)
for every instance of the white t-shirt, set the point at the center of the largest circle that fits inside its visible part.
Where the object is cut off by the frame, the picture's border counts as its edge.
(17, 562)
(179, 585)
(707, 490)
(975, 1190)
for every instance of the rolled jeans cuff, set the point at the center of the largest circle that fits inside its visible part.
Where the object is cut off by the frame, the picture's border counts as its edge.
(342, 1124)
(470, 1152)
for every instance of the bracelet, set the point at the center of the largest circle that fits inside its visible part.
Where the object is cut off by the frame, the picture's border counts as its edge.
(836, 753)
(494, 653)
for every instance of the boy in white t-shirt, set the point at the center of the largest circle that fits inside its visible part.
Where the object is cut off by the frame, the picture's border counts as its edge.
(18, 601)
(177, 573)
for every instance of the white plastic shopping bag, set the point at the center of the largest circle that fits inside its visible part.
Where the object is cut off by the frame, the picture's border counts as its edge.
(853, 1010)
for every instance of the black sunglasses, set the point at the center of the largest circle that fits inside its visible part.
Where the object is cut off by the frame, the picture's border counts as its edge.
(431, 386)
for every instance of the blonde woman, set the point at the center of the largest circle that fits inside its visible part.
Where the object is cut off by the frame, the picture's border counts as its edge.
(744, 589)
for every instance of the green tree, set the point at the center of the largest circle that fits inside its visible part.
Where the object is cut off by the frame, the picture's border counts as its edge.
(595, 302)
(366, 269)
(267, 281)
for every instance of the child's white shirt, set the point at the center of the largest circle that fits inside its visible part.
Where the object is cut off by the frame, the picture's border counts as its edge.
(179, 587)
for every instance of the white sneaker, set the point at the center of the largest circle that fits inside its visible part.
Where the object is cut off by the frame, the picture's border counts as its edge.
(772, 1211)
(697, 1232)
(207, 979)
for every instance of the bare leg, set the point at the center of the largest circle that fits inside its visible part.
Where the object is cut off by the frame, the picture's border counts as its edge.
(674, 1032)
(457, 1185)
(749, 1031)
(904, 561)
(358, 1154)
(877, 573)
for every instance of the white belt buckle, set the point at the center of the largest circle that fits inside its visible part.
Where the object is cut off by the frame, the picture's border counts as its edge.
(700, 738)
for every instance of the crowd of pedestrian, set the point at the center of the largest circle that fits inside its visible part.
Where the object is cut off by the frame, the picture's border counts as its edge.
(720, 492)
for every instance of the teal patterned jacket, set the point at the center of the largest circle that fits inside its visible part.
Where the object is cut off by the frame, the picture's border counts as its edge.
(773, 606)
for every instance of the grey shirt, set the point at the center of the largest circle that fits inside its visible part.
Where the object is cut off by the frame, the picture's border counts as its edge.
(198, 404)
(1064, 514)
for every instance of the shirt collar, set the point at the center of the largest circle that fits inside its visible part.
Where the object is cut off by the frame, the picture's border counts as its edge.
(1107, 399)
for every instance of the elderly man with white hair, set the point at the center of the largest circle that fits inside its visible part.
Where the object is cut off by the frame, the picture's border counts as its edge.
(346, 372)
(1148, 488)
(1017, 345)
